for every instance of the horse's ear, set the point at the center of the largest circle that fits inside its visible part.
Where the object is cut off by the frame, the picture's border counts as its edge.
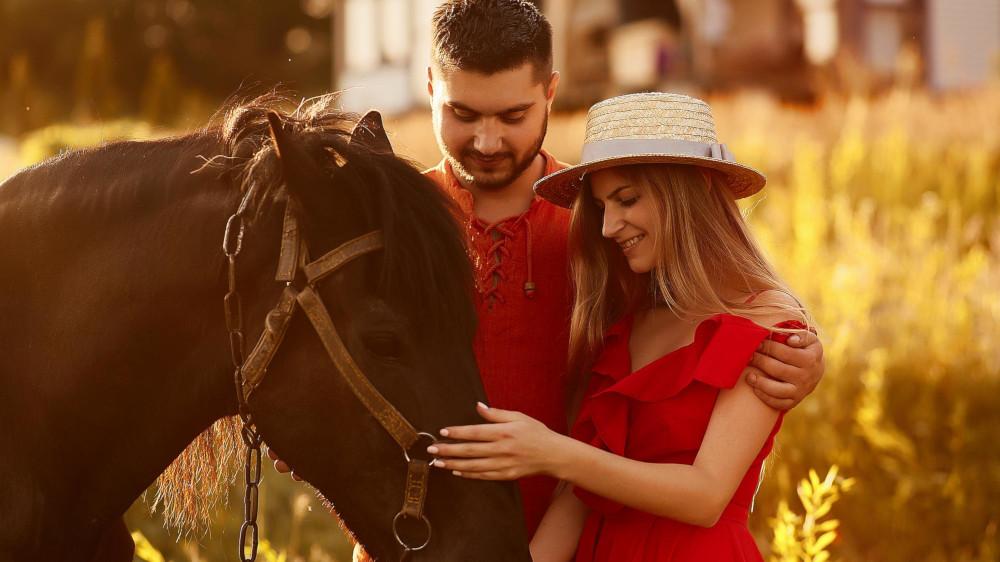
(299, 168)
(282, 143)
(370, 132)
(307, 173)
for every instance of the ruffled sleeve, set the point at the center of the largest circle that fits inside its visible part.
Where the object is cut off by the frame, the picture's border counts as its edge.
(727, 344)
(723, 346)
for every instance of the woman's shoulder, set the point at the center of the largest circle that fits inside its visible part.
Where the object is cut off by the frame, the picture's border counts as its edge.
(771, 314)
(773, 308)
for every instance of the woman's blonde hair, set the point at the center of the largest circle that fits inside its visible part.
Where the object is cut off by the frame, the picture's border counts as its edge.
(702, 243)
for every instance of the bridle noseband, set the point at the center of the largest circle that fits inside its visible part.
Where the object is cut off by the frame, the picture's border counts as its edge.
(250, 369)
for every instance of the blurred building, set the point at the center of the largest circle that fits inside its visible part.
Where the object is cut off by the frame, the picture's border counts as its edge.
(791, 47)
(382, 56)
(957, 41)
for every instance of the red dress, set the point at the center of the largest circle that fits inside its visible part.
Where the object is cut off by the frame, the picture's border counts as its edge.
(659, 414)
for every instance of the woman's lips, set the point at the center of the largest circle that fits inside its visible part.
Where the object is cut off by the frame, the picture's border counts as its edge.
(629, 245)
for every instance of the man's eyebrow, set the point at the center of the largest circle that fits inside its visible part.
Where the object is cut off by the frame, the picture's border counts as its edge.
(515, 109)
(519, 108)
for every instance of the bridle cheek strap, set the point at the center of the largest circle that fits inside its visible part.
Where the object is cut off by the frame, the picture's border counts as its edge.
(290, 261)
(418, 467)
(275, 326)
(291, 247)
(390, 418)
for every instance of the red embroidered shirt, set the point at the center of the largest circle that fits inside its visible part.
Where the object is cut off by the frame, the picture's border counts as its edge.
(523, 301)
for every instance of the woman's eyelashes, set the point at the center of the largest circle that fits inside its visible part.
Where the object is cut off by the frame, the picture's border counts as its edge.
(622, 201)
(629, 201)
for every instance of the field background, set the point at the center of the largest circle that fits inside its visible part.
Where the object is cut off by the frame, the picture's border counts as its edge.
(884, 214)
(882, 210)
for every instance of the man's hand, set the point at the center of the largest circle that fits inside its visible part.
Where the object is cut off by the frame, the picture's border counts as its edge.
(282, 466)
(782, 375)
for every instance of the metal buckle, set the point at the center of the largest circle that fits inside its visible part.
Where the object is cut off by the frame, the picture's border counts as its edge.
(395, 531)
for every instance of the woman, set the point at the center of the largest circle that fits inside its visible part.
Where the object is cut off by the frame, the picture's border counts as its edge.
(673, 298)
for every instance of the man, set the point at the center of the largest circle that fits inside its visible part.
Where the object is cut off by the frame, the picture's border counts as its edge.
(491, 86)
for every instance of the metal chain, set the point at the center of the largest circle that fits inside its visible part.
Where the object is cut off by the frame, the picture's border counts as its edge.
(251, 494)
(232, 243)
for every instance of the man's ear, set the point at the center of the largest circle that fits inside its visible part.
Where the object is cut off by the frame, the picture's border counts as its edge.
(550, 93)
(370, 133)
(430, 82)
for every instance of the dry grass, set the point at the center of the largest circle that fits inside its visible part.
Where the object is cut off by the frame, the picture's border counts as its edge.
(884, 215)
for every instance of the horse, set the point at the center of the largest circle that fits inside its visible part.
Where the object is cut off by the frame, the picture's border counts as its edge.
(117, 353)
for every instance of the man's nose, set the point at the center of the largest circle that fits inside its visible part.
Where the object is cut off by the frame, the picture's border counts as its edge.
(488, 139)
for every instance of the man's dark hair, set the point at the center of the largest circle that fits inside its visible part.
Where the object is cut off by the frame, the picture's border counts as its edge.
(489, 36)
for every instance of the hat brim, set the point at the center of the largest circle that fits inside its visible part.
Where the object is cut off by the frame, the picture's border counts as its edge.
(563, 186)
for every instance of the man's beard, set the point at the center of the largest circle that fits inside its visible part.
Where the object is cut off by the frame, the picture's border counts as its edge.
(497, 180)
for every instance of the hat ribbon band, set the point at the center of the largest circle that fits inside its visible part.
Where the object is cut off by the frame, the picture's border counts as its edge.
(618, 148)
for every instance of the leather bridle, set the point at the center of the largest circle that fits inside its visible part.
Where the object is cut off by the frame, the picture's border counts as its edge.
(251, 369)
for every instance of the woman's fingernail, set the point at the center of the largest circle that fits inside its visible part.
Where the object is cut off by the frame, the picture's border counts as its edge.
(438, 463)
(794, 339)
(483, 406)
(456, 473)
(752, 379)
(444, 432)
(432, 450)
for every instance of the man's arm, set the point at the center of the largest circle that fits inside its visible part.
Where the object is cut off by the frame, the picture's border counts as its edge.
(783, 374)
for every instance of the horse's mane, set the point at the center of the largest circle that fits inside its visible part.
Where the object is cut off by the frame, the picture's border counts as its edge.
(425, 270)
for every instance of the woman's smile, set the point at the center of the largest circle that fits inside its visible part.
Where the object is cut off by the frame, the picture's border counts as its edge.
(629, 244)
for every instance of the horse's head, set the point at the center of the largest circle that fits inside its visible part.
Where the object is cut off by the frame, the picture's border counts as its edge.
(405, 316)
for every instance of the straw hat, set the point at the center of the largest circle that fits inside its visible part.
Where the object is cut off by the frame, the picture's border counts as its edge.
(650, 128)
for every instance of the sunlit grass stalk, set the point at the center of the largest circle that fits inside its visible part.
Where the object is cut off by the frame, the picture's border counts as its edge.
(807, 537)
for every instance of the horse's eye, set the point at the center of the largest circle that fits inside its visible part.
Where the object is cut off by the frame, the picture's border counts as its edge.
(386, 345)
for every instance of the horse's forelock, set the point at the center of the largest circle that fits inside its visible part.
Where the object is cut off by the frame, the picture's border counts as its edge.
(250, 156)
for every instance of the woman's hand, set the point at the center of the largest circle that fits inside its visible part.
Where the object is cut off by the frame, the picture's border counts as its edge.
(513, 446)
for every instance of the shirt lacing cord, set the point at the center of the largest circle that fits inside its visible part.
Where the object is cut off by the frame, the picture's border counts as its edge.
(493, 274)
